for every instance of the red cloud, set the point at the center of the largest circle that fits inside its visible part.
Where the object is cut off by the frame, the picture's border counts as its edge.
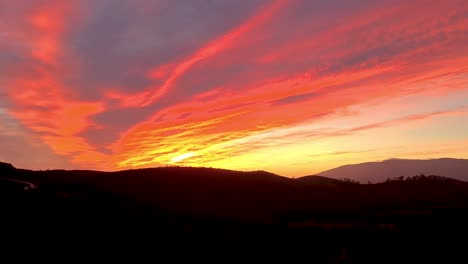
(42, 103)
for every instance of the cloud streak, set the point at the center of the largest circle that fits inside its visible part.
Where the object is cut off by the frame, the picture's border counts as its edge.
(150, 95)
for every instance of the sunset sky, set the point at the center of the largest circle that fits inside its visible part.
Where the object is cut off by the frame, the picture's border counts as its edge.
(294, 87)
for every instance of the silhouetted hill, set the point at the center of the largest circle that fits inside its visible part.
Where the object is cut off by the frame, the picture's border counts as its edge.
(314, 218)
(380, 171)
(318, 181)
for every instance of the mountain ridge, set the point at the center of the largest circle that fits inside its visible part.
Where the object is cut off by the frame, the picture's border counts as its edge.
(379, 171)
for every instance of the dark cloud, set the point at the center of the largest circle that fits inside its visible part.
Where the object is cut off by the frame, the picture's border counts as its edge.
(113, 123)
(118, 44)
(295, 98)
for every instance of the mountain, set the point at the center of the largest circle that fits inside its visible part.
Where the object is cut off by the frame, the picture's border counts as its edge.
(380, 171)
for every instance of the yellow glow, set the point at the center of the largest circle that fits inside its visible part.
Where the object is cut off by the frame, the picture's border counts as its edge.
(183, 157)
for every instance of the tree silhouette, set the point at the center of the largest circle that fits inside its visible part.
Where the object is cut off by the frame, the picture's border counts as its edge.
(6, 167)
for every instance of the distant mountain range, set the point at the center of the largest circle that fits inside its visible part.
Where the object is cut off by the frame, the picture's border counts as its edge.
(376, 172)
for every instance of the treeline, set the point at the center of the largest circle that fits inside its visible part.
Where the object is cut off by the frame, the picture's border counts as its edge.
(422, 178)
(417, 178)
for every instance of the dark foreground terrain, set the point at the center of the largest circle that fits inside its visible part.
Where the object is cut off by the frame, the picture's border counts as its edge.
(220, 215)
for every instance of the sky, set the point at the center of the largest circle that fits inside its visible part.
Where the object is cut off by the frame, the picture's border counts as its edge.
(294, 87)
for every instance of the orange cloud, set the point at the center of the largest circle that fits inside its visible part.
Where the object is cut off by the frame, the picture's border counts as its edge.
(41, 101)
(48, 25)
(194, 127)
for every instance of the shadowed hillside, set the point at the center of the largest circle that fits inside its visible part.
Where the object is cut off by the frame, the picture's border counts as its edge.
(314, 218)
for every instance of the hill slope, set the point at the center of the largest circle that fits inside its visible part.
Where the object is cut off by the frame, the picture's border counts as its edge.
(380, 171)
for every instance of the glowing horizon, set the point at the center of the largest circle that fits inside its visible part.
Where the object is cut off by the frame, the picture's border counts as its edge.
(294, 87)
